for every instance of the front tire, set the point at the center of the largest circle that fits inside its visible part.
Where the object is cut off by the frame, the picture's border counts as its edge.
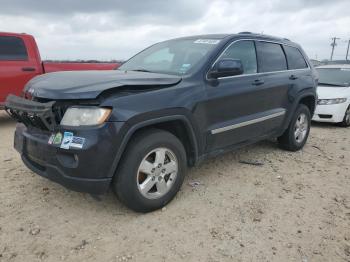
(295, 137)
(346, 120)
(151, 171)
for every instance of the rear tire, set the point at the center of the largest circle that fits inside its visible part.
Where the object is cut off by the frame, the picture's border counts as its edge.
(151, 171)
(346, 120)
(295, 137)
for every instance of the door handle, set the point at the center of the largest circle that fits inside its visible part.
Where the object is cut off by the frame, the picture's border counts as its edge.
(28, 69)
(293, 77)
(258, 82)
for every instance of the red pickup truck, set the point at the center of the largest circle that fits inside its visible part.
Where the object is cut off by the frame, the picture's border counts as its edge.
(20, 61)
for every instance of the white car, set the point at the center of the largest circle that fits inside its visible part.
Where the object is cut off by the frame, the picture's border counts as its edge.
(333, 104)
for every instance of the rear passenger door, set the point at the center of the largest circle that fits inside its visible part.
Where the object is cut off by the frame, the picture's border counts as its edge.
(273, 71)
(300, 75)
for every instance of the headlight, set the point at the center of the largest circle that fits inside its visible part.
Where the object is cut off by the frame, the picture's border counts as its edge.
(85, 116)
(331, 101)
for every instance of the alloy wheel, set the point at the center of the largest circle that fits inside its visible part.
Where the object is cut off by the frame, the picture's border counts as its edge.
(157, 173)
(301, 128)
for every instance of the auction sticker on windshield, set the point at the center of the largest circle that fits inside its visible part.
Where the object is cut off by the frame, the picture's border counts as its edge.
(207, 41)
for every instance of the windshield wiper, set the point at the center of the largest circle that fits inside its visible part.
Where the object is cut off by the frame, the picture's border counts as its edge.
(141, 70)
(330, 84)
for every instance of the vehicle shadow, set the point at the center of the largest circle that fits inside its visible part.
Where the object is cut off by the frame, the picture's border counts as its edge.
(109, 205)
(324, 125)
(250, 156)
(72, 202)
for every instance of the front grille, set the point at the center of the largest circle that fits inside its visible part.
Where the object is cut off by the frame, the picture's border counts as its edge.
(31, 113)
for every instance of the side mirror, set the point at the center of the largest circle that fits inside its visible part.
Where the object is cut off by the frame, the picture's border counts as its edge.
(226, 67)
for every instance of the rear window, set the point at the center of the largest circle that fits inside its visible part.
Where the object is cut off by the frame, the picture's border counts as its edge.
(270, 57)
(295, 58)
(12, 48)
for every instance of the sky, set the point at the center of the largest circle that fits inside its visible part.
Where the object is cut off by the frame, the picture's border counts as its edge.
(117, 29)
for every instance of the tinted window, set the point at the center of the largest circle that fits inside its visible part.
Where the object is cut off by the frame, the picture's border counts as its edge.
(12, 48)
(270, 57)
(244, 51)
(295, 58)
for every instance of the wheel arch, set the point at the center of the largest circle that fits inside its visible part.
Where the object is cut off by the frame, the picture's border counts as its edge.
(310, 101)
(178, 125)
(307, 98)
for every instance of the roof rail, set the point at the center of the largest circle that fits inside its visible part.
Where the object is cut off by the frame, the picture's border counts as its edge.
(245, 32)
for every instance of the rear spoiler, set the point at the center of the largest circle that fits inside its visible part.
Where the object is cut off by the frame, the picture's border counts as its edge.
(32, 113)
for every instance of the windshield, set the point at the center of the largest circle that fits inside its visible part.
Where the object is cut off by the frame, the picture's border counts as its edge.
(175, 57)
(334, 76)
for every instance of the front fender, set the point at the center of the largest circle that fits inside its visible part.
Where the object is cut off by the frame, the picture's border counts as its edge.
(135, 124)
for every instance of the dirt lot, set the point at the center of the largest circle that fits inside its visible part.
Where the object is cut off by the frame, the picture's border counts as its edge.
(294, 207)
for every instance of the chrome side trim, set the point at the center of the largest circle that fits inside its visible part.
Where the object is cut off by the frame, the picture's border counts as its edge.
(264, 73)
(246, 123)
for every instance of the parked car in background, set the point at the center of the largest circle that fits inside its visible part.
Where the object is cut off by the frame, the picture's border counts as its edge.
(333, 104)
(20, 61)
(169, 107)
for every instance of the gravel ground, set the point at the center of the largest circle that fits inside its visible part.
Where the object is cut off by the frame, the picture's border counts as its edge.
(293, 207)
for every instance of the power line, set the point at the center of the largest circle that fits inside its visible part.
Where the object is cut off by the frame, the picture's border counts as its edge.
(333, 45)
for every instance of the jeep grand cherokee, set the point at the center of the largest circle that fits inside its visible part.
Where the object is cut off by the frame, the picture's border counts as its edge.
(138, 128)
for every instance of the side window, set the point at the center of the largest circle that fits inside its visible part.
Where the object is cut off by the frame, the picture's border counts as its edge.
(245, 51)
(295, 58)
(270, 57)
(12, 48)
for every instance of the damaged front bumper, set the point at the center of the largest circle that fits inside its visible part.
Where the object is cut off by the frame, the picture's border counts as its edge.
(86, 166)
(31, 113)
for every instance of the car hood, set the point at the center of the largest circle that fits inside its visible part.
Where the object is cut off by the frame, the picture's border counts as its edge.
(328, 92)
(90, 84)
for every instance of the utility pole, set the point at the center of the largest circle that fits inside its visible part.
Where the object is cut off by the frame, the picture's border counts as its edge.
(333, 45)
(347, 50)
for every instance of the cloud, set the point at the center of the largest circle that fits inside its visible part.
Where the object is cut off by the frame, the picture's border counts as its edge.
(108, 29)
(178, 11)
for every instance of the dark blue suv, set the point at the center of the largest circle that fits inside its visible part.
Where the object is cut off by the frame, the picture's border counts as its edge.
(169, 107)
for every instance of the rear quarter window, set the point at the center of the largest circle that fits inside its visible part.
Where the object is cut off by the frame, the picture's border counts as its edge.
(270, 57)
(294, 58)
(12, 49)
